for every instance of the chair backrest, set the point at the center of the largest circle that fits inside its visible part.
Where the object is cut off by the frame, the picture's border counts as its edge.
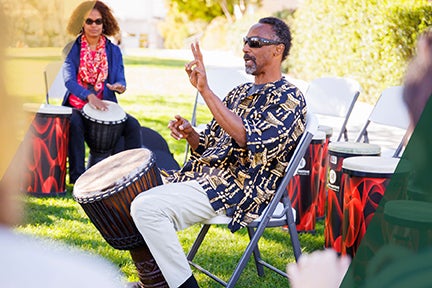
(299, 83)
(281, 194)
(310, 131)
(54, 81)
(389, 110)
(335, 97)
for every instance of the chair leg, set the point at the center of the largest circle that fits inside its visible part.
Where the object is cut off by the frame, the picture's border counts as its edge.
(295, 242)
(256, 253)
(198, 241)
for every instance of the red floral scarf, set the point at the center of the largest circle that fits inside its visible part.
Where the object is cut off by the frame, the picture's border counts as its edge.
(92, 71)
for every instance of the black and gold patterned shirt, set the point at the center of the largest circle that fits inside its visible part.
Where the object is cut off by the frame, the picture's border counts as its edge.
(243, 180)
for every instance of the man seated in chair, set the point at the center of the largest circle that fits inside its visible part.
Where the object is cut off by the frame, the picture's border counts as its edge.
(237, 162)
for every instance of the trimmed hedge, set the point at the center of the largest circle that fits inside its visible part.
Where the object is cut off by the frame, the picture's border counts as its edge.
(368, 40)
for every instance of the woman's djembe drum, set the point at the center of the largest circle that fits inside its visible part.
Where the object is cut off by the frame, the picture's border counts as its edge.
(48, 138)
(338, 151)
(105, 192)
(322, 190)
(303, 188)
(103, 129)
(364, 183)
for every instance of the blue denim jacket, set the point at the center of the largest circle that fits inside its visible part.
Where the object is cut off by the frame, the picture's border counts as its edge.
(70, 72)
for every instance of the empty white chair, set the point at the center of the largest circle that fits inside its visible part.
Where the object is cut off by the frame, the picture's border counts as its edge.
(389, 111)
(334, 97)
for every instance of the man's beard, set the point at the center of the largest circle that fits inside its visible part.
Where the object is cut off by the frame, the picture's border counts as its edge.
(250, 69)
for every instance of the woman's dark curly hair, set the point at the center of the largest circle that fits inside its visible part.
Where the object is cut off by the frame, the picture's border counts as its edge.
(282, 32)
(76, 20)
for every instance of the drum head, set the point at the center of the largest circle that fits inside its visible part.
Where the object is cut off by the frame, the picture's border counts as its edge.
(47, 109)
(114, 113)
(410, 213)
(326, 129)
(319, 135)
(371, 164)
(112, 173)
(354, 148)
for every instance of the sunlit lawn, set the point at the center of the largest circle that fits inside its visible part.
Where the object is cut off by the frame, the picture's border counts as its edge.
(62, 219)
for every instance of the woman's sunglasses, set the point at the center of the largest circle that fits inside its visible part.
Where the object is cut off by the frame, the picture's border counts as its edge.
(98, 21)
(258, 42)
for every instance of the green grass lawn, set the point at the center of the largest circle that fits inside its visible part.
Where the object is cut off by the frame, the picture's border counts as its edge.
(62, 218)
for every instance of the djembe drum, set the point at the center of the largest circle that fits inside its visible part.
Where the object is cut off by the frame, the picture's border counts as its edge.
(303, 188)
(338, 151)
(366, 179)
(102, 129)
(105, 192)
(322, 190)
(48, 137)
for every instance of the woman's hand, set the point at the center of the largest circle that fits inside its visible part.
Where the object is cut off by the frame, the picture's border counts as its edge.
(117, 87)
(97, 103)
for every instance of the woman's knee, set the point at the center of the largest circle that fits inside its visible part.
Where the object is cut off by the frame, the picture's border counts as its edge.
(76, 121)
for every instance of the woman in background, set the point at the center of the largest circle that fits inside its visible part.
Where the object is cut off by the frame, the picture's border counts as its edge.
(93, 71)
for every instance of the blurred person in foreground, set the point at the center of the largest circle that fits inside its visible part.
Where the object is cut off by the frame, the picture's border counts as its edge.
(93, 71)
(28, 261)
(418, 78)
(417, 89)
(237, 162)
(321, 268)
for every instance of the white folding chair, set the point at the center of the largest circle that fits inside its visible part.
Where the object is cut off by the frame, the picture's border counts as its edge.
(302, 85)
(54, 82)
(221, 80)
(389, 111)
(333, 97)
(277, 214)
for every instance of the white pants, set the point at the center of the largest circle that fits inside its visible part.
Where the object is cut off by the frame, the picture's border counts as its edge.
(161, 211)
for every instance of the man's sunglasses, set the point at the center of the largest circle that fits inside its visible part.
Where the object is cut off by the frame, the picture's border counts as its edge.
(258, 42)
(98, 21)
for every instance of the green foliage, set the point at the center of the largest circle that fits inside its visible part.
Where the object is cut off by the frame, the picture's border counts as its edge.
(220, 34)
(213, 21)
(39, 23)
(177, 28)
(200, 9)
(370, 41)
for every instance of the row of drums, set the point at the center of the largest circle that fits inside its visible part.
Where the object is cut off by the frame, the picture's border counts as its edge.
(341, 183)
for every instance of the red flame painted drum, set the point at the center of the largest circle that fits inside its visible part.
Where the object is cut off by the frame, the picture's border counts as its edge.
(304, 186)
(338, 151)
(48, 136)
(322, 191)
(105, 192)
(363, 187)
(103, 128)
